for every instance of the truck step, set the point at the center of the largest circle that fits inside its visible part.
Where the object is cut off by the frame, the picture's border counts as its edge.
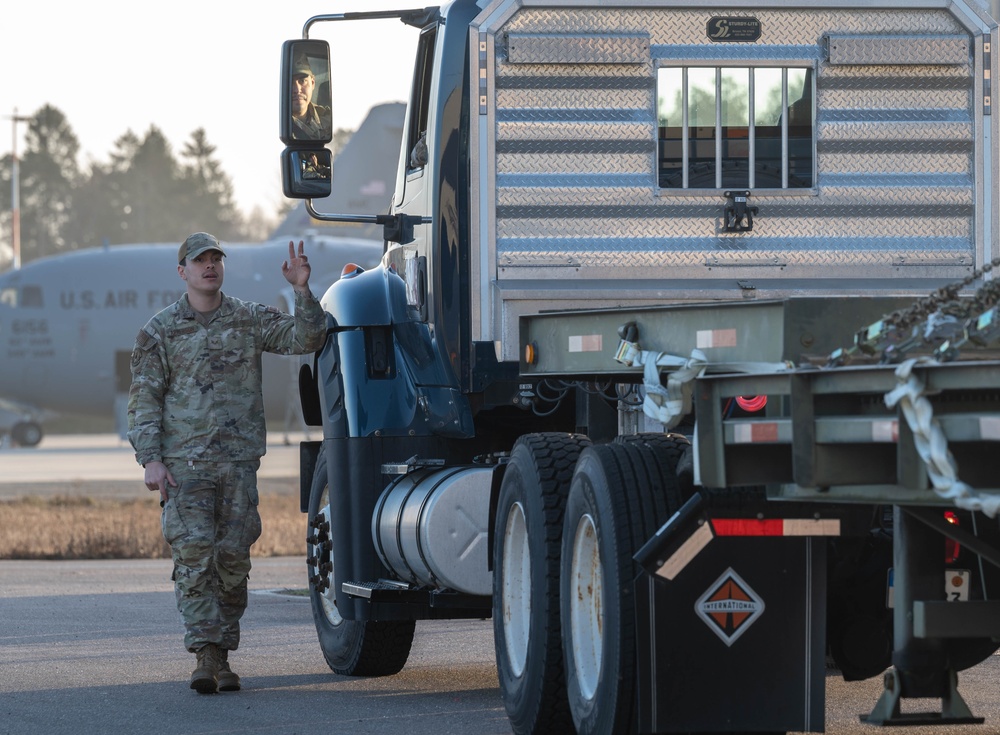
(458, 604)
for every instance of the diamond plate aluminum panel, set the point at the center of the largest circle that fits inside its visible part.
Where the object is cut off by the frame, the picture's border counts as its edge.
(902, 163)
(880, 77)
(571, 232)
(567, 130)
(536, 48)
(857, 254)
(898, 49)
(582, 163)
(920, 133)
(894, 99)
(895, 142)
(596, 99)
(780, 26)
(891, 191)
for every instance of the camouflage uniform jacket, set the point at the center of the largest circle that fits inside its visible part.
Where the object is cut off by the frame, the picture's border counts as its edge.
(196, 389)
(316, 124)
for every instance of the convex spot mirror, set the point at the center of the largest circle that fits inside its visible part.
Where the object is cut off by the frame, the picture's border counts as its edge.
(305, 92)
(306, 173)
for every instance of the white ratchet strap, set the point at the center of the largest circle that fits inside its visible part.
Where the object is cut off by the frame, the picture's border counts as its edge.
(931, 444)
(670, 404)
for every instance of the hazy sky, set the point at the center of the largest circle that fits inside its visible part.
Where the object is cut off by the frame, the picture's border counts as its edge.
(116, 65)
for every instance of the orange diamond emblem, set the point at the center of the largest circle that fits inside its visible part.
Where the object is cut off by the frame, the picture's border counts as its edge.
(729, 607)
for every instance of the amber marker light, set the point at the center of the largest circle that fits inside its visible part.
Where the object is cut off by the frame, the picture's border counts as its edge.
(350, 270)
(531, 353)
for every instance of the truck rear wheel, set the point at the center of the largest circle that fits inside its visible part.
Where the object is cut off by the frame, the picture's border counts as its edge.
(620, 495)
(677, 450)
(350, 647)
(528, 528)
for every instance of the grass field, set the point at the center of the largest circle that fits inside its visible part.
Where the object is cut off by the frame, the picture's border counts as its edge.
(45, 523)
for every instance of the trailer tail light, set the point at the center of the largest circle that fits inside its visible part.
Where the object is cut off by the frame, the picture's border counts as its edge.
(951, 547)
(751, 404)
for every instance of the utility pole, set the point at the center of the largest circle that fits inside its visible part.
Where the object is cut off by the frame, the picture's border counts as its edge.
(15, 192)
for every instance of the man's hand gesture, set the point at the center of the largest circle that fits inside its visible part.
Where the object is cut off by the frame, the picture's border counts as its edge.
(296, 269)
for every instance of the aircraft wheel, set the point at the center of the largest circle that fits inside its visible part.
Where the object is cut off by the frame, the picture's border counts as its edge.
(26, 434)
(620, 496)
(529, 523)
(350, 647)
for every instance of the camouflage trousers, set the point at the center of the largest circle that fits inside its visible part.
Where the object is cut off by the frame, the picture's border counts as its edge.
(210, 521)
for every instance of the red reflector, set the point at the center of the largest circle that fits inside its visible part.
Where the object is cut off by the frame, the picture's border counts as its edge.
(748, 527)
(776, 526)
(751, 403)
(951, 547)
(351, 269)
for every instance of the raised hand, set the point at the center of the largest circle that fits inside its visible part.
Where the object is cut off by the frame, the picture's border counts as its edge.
(296, 269)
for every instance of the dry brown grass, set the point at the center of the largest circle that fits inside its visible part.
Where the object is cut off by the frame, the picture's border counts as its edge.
(81, 526)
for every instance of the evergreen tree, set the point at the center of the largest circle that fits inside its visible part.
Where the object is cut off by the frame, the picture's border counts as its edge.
(48, 176)
(140, 194)
(208, 191)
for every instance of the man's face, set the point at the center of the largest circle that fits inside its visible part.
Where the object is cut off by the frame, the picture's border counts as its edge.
(205, 272)
(302, 92)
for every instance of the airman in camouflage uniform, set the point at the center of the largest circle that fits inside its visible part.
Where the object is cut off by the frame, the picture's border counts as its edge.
(196, 422)
(309, 120)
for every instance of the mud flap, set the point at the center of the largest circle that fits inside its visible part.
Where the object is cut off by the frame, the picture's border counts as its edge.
(735, 640)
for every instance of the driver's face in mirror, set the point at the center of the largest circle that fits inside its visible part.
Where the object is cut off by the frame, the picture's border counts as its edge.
(310, 121)
(302, 92)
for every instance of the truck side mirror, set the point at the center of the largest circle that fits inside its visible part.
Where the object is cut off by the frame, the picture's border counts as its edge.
(306, 114)
(306, 173)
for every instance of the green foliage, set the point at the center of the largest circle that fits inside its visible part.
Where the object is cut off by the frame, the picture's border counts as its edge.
(142, 193)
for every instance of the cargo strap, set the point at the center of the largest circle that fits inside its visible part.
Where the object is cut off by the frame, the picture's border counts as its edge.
(931, 444)
(671, 403)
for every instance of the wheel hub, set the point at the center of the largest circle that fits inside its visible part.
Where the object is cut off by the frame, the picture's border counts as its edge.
(587, 607)
(516, 589)
(320, 561)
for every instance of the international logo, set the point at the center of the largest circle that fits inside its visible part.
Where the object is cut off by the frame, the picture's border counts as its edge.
(729, 607)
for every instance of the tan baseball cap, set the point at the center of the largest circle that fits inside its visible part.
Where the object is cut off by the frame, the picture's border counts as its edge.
(197, 244)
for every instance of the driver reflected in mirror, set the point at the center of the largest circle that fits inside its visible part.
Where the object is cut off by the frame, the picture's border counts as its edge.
(311, 174)
(312, 167)
(309, 120)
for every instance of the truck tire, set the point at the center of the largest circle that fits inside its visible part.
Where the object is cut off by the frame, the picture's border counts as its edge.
(528, 527)
(678, 451)
(620, 496)
(350, 647)
(26, 434)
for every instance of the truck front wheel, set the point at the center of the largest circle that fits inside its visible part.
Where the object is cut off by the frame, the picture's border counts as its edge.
(526, 581)
(350, 647)
(620, 496)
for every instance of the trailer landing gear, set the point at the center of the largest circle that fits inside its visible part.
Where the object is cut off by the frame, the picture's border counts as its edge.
(920, 660)
(954, 710)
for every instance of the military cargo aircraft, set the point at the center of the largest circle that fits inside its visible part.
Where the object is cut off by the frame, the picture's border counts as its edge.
(68, 322)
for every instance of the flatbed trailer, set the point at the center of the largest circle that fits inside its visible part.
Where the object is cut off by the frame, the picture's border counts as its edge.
(834, 445)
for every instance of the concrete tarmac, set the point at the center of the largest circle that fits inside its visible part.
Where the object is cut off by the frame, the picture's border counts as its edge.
(95, 647)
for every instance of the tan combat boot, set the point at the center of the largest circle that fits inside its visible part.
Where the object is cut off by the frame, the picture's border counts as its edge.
(229, 681)
(205, 677)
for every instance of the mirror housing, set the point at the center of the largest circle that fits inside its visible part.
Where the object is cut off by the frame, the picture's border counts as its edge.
(306, 113)
(306, 173)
